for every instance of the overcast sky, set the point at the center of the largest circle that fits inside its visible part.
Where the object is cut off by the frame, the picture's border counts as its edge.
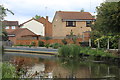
(26, 9)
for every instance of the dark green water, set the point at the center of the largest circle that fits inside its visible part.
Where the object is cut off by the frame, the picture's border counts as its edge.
(50, 66)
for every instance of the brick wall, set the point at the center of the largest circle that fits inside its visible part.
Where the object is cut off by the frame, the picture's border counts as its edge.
(28, 42)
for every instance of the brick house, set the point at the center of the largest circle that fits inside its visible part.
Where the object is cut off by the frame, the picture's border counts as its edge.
(47, 24)
(10, 26)
(39, 26)
(65, 21)
(20, 33)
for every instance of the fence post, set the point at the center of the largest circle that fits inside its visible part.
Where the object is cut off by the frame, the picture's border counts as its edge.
(98, 44)
(108, 44)
(119, 46)
(89, 42)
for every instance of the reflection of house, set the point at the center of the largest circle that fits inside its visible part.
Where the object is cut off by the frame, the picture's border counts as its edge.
(18, 33)
(39, 26)
(10, 26)
(64, 22)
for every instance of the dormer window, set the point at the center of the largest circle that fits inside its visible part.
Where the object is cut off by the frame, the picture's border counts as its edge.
(70, 23)
(7, 27)
(13, 27)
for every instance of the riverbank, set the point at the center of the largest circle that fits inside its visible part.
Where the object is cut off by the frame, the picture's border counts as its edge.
(38, 50)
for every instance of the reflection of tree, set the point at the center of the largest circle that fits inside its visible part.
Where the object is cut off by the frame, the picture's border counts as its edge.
(72, 65)
(49, 65)
(22, 64)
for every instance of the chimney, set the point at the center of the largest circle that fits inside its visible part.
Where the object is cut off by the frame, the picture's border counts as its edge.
(47, 18)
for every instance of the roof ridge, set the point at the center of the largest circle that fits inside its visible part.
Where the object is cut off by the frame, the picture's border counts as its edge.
(73, 11)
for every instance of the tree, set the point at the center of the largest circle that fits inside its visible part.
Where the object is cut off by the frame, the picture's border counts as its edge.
(3, 13)
(37, 17)
(82, 10)
(108, 18)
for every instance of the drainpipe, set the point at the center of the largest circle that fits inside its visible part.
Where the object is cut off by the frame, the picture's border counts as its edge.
(46, 26)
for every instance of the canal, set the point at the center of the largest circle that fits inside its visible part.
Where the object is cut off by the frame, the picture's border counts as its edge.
(49, 66)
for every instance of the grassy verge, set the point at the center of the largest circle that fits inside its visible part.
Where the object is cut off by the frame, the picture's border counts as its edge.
(74, 51)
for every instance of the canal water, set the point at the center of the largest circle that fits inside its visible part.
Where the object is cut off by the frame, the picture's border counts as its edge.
(44, 66)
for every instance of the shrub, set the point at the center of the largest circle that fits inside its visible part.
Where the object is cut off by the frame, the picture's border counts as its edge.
(41, 44)
(47, 45)
(64, 41)
(33, 43)
(8, 70)
(70, 50)
(84, 44)
(56, 45)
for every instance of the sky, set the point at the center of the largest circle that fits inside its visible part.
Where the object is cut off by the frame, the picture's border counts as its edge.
(27, 9)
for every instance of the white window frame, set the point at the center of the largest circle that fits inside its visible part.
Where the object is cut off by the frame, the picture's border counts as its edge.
(13, 27)
(7, 27)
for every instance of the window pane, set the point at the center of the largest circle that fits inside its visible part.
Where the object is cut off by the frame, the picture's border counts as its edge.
(7, 27)
(71, 23)
(13, 27)
(88, 23)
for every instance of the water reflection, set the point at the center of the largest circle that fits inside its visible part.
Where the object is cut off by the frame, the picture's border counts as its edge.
(63, 68)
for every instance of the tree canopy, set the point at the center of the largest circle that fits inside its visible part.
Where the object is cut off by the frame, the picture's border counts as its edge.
(3, 13)
(37, 17)
(108, 18)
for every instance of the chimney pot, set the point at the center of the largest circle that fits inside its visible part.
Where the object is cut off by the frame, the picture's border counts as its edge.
(47, 18)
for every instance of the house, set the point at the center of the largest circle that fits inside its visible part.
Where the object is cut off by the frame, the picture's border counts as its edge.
(65, 22)
(39, 26)
(10, 26)
(20, 33)
(47, 24)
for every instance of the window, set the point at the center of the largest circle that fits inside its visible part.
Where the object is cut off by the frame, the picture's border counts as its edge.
(88, 23)
(70, 23)
(7, 27)
(13, 27)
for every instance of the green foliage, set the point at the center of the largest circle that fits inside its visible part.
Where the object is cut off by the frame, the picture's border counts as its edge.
(47, 45)
(71, 50)
(4, 11)
(108, 18)
(4, 36)
(37, 17)
(95, 52)
(8, 70)
(113, 40)
(64, 41)
(84, 44)
(41, 44)
(82, 10)
(33, 43)
(2, 49)
(55, 45)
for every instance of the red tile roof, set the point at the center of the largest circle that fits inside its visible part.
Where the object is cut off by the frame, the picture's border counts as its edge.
(10, 23)
(29, 21)
(75, 15)
(17, 31)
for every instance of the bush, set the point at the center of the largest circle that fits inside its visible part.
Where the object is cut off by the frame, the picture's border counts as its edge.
(70, 50)
(47, 45)
(41, 44)
(84, 44)
(64, 41)
(33, 43)
(8, 70)
(55, 45)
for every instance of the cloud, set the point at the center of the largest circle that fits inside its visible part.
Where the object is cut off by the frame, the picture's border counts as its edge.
(25, 9)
